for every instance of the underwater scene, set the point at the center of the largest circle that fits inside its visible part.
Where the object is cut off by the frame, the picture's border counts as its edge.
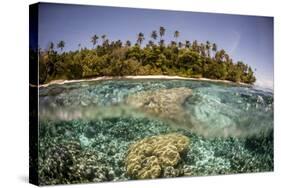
(125, 129)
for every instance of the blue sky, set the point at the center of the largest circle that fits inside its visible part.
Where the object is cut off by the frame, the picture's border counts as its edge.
(246, 38)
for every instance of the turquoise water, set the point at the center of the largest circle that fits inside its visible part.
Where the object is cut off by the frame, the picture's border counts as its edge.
(230, 127)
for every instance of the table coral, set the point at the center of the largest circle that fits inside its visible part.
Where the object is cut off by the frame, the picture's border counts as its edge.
(147, 158)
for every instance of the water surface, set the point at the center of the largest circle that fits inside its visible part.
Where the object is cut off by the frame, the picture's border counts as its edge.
(230, 126)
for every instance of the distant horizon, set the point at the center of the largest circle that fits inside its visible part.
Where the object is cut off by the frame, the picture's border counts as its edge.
(245, 38)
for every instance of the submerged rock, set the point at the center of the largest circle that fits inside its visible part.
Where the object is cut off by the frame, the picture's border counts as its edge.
(162, 103)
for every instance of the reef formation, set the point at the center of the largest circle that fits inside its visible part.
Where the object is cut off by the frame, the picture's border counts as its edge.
(65, 162)
(125, 130)
(149, 157)
(166, 104)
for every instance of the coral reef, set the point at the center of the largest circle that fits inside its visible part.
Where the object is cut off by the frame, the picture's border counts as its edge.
(107, 131)
(64, 162)
(105, 142)
(92, 151)
(230, 155)
(149, 157)
(163, 103)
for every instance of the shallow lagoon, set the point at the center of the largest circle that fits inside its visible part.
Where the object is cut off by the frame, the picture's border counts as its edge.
(230, 127)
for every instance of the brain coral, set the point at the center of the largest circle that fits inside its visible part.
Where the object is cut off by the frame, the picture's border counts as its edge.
(147, 158)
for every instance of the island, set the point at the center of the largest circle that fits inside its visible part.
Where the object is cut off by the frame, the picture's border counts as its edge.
(162, 94)
(188, 59)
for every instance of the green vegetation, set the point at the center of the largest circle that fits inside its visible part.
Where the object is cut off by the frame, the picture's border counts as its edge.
(113, 58)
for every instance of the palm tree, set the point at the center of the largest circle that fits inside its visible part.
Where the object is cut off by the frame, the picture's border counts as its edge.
(128, 43)
(180, 44)
(94, 40)
(150, 43)
(162, 31)
(161, 43)
(118, 43)
(103, 38)
(176, 34)
(140, 38)
(61, 45)
(154, 35)
(214, 47)
(105, 43)
(208, 46)
(173, 43)
(51, 48)
(195, 46)
(187, 44)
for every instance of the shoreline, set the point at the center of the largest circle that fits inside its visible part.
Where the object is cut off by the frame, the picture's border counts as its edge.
(164, 77)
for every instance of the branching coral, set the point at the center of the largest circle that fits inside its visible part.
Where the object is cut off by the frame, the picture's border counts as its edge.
(149, 157)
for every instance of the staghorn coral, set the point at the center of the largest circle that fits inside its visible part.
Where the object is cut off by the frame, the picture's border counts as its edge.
(148, 158)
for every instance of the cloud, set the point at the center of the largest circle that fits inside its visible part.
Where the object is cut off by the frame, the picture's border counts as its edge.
(263, 83)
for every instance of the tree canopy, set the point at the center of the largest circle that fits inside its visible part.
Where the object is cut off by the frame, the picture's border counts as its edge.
(113, 58)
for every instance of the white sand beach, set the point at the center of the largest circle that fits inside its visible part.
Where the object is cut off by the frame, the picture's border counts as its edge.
(139, 77)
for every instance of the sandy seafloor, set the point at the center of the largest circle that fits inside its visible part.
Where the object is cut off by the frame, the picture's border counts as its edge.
(86, 128)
